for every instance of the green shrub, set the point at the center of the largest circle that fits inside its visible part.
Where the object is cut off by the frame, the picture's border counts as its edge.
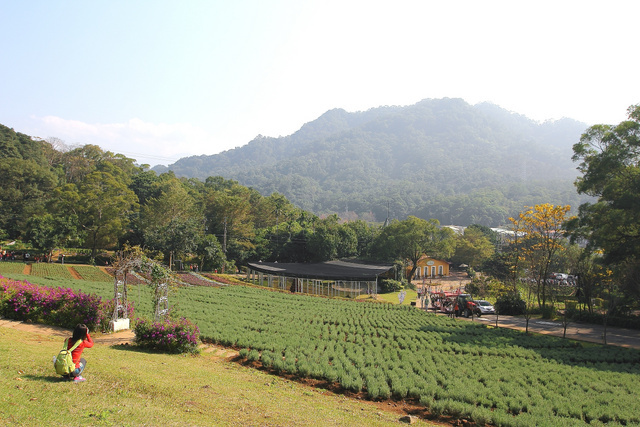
(278, 364)
(253, 355)
(304, 368)
(481, 416)
(510, 304)
(547, 311)
(93, 274)
(267, 358)
(390, 285)
(571, 305)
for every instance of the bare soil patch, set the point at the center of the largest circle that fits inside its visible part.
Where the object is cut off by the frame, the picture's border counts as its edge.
(74, 273)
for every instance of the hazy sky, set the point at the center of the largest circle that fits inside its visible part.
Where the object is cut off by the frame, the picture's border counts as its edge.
(159, 80)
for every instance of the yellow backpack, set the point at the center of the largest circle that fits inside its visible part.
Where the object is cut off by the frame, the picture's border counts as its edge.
(64, 361)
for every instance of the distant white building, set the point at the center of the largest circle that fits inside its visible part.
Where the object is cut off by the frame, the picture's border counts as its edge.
(458, 229)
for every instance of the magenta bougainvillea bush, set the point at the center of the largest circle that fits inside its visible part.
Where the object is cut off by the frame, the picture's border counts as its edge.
(20, 300)
(172, 336)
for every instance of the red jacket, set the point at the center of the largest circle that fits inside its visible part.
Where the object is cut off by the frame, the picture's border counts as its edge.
(88, 343)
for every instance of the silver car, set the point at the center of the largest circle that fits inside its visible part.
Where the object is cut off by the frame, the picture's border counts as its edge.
(485, 307)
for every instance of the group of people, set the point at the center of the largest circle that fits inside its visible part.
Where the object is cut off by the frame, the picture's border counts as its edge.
(4, 255)
(26, 257)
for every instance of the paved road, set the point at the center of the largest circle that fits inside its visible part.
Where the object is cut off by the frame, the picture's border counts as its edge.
(579, 331)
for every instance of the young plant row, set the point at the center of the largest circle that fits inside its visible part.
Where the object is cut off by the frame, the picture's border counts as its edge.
(93, 274)
(44, 269)
(458, 368)
(10, 267)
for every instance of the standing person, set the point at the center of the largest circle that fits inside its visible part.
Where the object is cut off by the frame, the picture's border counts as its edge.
(81, 332)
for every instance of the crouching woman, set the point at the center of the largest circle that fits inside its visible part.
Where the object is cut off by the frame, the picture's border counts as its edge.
(81, 332)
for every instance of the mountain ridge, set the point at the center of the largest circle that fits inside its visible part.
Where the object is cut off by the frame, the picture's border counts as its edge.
(417, 159)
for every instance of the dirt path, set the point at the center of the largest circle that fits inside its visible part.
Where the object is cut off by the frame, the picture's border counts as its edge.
(455, 280)
(120, 337)
(74, 273)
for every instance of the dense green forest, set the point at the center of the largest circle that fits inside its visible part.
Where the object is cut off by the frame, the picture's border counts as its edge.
(442, 159)
(96, 200)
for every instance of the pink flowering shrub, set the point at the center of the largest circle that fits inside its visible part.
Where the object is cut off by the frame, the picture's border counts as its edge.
(53, 306)
(181, 336)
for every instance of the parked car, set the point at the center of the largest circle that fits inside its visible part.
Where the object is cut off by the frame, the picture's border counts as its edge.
(485, 307)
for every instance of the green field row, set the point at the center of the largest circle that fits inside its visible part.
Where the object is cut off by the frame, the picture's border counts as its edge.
(57, 271)
(457, 368)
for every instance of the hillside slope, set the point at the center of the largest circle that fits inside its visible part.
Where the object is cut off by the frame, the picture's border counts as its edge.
(441, 159)
(126, 386)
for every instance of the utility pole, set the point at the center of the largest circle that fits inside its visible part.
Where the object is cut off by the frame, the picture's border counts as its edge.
(224, 242)
(224, 237)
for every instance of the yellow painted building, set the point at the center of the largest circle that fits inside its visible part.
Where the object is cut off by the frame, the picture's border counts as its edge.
(430, 267)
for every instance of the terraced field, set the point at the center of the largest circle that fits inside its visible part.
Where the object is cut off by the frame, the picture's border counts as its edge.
(43, 269)
(91, 273)
(9, 267)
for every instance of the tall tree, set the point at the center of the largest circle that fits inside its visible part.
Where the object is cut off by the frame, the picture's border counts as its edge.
(26, 186)
(172, 222)
(609, 160)
(103, 205)
(177, 237)
(47, 232)
(210, 252)
(366, 234)
(542, 240)
(412, 238)
(331, 240)
(473, 248)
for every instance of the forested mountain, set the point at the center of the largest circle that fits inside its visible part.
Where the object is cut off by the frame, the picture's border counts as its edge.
(442, 159)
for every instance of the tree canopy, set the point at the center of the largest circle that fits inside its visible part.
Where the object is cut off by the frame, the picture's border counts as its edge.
(442, 159)
(411, 239)
(609, 160)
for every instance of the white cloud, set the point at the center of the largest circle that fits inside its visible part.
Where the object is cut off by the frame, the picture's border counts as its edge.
(152, 143)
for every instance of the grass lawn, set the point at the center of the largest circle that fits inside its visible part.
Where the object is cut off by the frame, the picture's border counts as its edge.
(130, 387)
(392, 297)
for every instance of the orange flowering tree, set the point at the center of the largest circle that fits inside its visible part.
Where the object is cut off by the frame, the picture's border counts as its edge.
(539, 236)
